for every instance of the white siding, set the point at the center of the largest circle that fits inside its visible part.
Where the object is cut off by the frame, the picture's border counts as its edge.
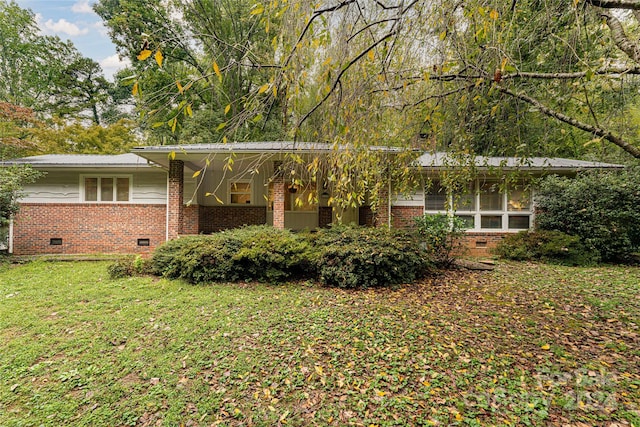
(149, 187)
(54, 187)
(415, 199)
(64, 186)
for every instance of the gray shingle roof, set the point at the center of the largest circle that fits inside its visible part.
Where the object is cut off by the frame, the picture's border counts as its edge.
(265, 146)
(80, 160)
(440, 160)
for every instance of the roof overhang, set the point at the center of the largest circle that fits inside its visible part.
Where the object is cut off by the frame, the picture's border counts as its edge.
(440, 161)
(195, 156)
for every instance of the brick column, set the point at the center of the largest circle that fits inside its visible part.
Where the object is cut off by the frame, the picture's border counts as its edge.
(279, 192)
(175, 207)
(381, 215)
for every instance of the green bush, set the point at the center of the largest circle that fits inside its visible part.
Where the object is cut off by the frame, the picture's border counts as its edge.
(255, 252)
(120, 268)
(442, 237)
(353, 257)
(600, 208)
(130, 266)
(273, 255)
(549, 246)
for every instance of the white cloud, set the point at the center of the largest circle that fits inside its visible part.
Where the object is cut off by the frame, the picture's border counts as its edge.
(63, 26)
(100, 28)
(82, 6)
(113, 63)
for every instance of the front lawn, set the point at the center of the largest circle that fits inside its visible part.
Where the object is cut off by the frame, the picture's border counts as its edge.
(524, 344)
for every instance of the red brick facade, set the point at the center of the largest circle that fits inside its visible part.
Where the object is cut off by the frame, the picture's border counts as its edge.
(216, 218)
(481, 244)
(87, 228)
(191, 219)
(402, 216)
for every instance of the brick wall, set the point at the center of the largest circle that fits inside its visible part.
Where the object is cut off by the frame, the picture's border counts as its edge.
(325, 216)
(88, 228)
(402, 216)
(191, 219)
(480, 244)
(216, 218)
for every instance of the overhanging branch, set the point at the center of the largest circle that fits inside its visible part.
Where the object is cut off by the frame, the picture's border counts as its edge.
(616, 4)
(597, 131)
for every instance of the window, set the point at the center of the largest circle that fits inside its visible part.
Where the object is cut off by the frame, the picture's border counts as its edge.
(106, 188)
(484, 205)
(240, 192)
(490, 196)
(436, 197)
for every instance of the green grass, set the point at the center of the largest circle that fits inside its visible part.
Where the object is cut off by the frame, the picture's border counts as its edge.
(526, 344)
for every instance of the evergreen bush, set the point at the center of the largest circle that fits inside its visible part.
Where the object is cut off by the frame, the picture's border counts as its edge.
(602, 209)
(549, 246)
(356, 257)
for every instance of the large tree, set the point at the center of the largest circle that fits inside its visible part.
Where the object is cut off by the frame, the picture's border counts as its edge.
(199, 60)
(523, 77)
(474, 72)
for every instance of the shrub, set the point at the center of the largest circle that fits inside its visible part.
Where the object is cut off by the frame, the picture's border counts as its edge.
(130, 266)
(272, 255)
(600, 208)
(550, 246)
(352, 257)
(442, 237)
(254, 252)
(121, 268)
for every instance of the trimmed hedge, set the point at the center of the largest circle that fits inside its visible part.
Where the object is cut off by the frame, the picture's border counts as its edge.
(346, 257)
(353, 257)
(255, 252)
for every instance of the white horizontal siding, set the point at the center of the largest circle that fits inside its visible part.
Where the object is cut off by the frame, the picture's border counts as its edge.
(64, 187)
(54, 187)
(149, 187)
(415, 199)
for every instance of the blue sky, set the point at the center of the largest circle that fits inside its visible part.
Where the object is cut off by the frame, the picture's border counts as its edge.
(75, 20)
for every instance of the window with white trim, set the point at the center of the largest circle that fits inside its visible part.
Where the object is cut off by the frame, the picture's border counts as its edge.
(240, 192)
(106, 188)
(484, 205)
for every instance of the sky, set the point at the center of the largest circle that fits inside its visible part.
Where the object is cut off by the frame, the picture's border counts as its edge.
(75, 20)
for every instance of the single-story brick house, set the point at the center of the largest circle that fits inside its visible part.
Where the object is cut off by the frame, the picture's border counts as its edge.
(131, 203)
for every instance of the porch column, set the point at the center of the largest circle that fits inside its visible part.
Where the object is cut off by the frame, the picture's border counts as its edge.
(175, 199)
(279, 191)
(381, 215)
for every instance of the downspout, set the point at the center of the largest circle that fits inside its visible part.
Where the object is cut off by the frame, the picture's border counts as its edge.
(389, 203)
(166, 219)
(11, 236)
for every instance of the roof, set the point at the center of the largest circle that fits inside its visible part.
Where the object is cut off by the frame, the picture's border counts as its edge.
(80, 160)
(248, 147)
(440, 160)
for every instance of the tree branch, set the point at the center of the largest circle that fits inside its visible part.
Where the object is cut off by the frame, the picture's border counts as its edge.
(616, 4)
(620, 38)
(597, 131)
(569, 76)
(342, 71)
(315, 15)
